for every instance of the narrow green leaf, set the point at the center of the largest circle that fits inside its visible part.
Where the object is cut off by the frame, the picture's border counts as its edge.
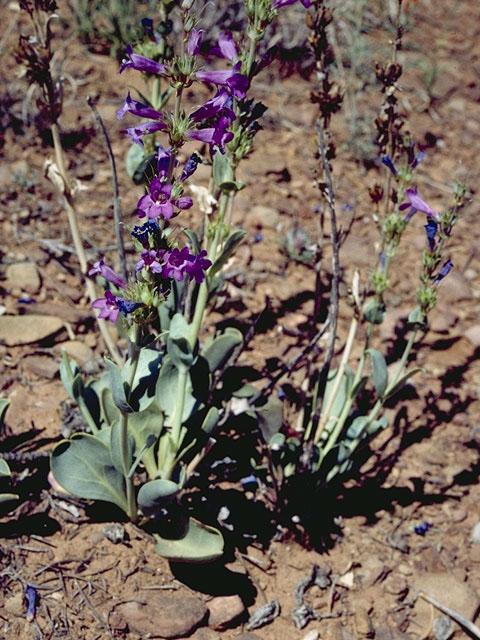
(380, 371)
(117, 387)
(232, 242)
(116, 448)
(4, 468)
(403, 380)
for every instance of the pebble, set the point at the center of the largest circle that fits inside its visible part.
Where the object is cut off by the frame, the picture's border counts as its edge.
(23, 277)
(371, 571)
(41, 366)
(265, 217)
(473, 334)
(18, 330)
(205, 634)
(446, 588)
(224, 611)
(312, 635)
(158, 615)
(77, 350)
(476, 534)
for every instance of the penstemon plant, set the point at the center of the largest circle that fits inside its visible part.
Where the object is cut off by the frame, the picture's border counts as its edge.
(152, 419)
(326, 443)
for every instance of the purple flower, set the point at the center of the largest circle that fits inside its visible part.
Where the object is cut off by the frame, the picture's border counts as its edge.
(31, 596)
(194, 42)
(387, 161)
(190, 166)
(145, 128)
(416, 203)
(109, 274)
(159, 202)
(214, 136)
(227, 47)
(163, 161)
(138, 109)
(140, 63)
(111, 306)
(419, 157)
(220, 104)
(277, 4)
(197, 268)
(176, 263)
(108, 305)
(237, 83)
(431, 231)
(444, 271)
(149, 260)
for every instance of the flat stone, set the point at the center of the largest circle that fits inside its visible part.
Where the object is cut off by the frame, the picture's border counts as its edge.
(18, 330)
(23, 277)
(265, 217)
(371, 571)
(41, 366)
(69, 314)
(473, 334)
(163, 615)
(205, 634)
(77, 350)
(454, 594)
(224, 611)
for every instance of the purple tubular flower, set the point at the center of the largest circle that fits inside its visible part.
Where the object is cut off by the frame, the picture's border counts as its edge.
(444, 271)
(220, 104)
(190, 166)
(157, 202)
(145, 128)
(277, 4)
(237, 83)
(108, 305)
(128, 306)
(431, 231)
(163, 162)
(419, 157)
(416, 203)
(197, 268)
(31, 596)
(214, 136)
(194, 42)
(387, 161)
(138, 109)
(149, 260)
(109, 274)
(227, 47)
(140, 63)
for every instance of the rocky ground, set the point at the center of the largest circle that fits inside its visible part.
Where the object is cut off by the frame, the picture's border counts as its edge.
(405, 524)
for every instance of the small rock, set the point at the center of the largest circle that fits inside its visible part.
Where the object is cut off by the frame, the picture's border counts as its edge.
(363, 624)
(396, 585)
(77, 350)
(15, 605)
(473, 334)
(115, 533)
(224, 611)
(18, 330)
(41, 366)
(442, 321)
(248, 636)
(475, 554)
(23, 277)
(454, 594)
(64, 312)
(455, 288)
(205, 634)
(163, 615)
(312, 635)
(371, 571)
(386, 632)
(475, 537)
(265, 217)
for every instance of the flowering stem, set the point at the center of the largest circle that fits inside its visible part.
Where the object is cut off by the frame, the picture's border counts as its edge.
(77, 240)
(126, 462)
(203, 290)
